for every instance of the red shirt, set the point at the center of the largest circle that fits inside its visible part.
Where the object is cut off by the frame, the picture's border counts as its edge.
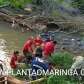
(28, 46)
(48, 48)
(13, 62)
(38, 41)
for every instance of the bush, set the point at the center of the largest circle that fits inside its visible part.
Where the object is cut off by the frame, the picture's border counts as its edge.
(62, 59)
(56, 80)
(3, 2)
(78, 4)
(19, 3)
(15, 3)
(60, 80)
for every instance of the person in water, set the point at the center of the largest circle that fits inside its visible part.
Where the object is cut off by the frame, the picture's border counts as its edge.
(14, 60)
(28, 49)
(38, 41)
(38, 62)
(49, 48)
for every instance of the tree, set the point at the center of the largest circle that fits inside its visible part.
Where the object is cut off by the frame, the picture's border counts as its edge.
(37, 2)
(79, 4)
(19, 3)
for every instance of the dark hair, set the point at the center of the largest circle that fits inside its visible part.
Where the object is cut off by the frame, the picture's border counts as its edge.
(47, 40)
(55, 42)
(16, 52)
(63, 48)
(38, 52)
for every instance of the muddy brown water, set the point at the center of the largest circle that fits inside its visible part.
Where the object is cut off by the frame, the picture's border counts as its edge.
(14, 39)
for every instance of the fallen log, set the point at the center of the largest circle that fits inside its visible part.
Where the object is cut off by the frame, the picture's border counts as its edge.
(12, 80)
(37, 81)
(12, 19)
(31, 23)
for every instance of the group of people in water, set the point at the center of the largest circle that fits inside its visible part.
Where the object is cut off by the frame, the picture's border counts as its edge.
(36, 52)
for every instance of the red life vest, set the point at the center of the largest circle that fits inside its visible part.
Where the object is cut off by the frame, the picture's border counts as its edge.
(13, 62)
(28, 46)
(48, 48)
(38, 41)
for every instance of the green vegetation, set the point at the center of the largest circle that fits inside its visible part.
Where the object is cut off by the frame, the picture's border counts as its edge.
(56, 80)
(16, 3)
(56, 13)
(19, 3)
(78, 4)
(37, 2)
(4, 2)
(62, 80)
(19, 70)
(62, 59)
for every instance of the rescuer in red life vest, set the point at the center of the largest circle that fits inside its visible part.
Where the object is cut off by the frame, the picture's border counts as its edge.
(38, 41)
(13, 62)
(28, 49)
(49, 48)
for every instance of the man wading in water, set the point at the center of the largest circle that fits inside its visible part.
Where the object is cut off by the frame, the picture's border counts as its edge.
(28, 49)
